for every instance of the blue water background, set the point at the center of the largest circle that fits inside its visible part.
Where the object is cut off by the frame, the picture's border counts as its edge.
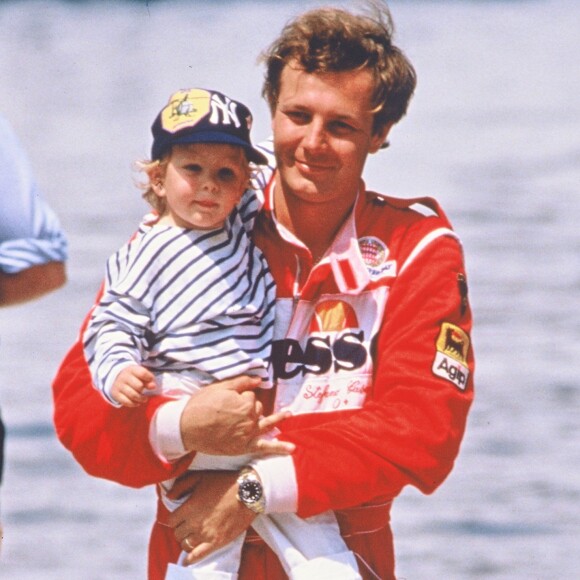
(493, 133)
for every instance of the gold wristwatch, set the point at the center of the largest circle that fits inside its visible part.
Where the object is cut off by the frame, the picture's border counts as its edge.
(250, 490)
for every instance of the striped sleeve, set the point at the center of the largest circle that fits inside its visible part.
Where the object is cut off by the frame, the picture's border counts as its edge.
(253, 199)
(117, 334)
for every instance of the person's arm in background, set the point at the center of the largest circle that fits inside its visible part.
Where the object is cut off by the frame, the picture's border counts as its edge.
(31, 283)
(33, 247)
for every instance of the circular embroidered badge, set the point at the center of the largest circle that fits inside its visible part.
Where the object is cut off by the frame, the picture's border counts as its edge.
(374, 252)
(375, 257)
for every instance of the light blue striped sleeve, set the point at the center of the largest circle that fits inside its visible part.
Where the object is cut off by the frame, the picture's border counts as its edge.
(30, 232)
(253, 199)
(264, 173)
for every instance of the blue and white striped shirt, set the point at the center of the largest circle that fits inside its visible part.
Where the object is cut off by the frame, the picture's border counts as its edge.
(177, 300)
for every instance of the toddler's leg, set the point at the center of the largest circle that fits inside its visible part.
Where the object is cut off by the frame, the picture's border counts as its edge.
(223, 564)
(308, 548)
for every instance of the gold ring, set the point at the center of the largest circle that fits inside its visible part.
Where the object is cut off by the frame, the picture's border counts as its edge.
(188, 543)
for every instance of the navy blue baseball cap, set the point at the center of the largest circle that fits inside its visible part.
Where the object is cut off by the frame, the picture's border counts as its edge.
(203, 116)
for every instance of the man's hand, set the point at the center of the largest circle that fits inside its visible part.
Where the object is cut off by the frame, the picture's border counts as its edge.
(212, 517)
(226, 419)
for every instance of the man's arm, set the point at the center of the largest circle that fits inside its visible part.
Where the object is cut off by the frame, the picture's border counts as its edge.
(408, 434)
(33, 247)
(411, 430)
(31, 283)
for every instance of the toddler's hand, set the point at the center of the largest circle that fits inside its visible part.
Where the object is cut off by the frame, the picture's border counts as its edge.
(128, 387)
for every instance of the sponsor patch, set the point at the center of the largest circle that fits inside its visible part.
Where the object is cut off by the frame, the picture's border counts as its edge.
(451, 357)
(321, 356)
(185, 110)
(375, 256)
(333, 316)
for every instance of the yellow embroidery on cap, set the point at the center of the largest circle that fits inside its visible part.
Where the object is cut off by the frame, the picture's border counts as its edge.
(185, 109)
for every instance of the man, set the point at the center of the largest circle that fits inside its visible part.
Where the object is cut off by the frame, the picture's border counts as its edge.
(372, 354)
(33, 248)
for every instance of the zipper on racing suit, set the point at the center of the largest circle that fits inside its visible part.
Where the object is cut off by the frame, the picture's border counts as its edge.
(296, 286)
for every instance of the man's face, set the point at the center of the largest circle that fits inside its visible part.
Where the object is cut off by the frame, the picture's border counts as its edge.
(322, 129)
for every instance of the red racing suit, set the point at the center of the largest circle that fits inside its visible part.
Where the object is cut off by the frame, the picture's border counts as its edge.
(373, 356)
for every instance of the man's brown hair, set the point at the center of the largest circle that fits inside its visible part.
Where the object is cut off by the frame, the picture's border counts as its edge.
(336, 40)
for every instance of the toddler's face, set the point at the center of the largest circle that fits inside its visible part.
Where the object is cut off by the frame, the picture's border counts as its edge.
(202, 184)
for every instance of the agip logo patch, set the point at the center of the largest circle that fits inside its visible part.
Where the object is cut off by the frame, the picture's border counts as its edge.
(451, 357)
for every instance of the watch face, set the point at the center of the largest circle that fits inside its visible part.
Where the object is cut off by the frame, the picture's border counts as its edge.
(250, 491)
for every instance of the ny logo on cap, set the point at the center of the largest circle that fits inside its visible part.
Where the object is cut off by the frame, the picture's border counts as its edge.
(187, 108)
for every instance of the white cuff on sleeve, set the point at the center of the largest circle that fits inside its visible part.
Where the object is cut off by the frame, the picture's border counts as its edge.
(165, 430)
(278, 478)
